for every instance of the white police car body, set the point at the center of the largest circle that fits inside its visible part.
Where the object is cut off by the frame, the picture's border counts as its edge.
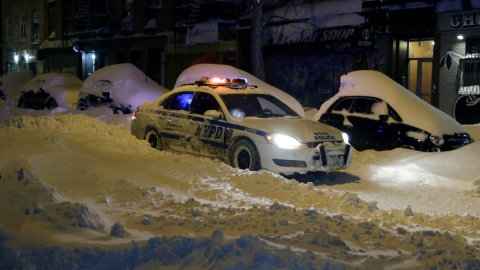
(240, 125)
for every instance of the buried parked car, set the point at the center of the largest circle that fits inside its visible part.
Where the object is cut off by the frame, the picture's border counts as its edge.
(49, 90)
(378, 113)
(240, 125)
(121, 87)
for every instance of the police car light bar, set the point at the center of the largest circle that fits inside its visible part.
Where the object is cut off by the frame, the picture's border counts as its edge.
(238, 83)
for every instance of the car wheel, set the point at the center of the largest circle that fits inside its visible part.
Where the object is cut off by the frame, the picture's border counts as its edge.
(51, 104)
(82, 105)
(22, 104)
(408, 147)
(153, 139)
(244, 155)
(118, 111)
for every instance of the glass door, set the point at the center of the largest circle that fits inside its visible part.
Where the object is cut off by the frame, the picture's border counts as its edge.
(420, 69)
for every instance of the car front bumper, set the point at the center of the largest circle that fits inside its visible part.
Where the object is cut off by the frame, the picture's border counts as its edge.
(325, 157)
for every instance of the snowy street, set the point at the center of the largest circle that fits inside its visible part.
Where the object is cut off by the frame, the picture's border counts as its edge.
(75, 180)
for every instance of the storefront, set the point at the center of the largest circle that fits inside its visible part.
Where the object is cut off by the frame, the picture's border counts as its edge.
(459, 64)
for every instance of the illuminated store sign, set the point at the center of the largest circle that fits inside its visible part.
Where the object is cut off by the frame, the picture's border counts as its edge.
(459, 21)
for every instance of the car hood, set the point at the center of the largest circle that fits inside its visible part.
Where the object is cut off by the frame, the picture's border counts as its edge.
(302, 129)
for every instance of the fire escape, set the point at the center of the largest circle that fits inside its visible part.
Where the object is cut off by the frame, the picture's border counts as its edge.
(191, 12)
(401, 18)
(87, 23)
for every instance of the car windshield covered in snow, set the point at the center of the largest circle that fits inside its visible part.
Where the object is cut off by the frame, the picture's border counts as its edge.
(256, 105)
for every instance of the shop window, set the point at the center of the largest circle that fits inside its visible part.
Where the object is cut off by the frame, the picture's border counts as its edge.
(468, 76)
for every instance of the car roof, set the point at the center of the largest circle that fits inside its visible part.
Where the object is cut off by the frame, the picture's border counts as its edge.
(215, 90)
(412, 109)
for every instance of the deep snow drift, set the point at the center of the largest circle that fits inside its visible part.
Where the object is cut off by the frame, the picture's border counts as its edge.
(79, 192)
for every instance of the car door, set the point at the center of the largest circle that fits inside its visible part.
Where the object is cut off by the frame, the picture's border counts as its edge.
(207, 126)
(175, 128)
(336, 116)
(369, 118)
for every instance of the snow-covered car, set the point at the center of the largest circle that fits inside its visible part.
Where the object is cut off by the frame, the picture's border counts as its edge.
(87, 100)
(50, 90)
(37, 100)
(241, 125)
(2, 95)
(11, 86)
(378, 113)
(194, 72)
(122, 87)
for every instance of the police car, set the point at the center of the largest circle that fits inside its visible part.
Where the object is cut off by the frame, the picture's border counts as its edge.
(240, 125)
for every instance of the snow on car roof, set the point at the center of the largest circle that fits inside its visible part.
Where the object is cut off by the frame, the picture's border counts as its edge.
(412, 109)
(128, 84)
(53, 79)
(194, 73)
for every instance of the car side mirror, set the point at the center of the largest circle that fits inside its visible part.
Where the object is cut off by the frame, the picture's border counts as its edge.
(383, 117)
(213, 114)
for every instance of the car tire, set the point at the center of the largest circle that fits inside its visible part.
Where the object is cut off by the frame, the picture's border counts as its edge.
(82, 105)
(408, 147)
(51, 104)
(118, 111)
(155, 141)
(244, 155)
(22, 104)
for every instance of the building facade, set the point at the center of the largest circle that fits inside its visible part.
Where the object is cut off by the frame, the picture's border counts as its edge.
(308, 44)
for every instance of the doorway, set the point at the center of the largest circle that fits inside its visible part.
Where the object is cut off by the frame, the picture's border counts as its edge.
(420, 68)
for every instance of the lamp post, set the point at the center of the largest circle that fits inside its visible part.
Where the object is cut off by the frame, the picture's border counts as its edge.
(15, 58)
(93, 62)
(27, 57)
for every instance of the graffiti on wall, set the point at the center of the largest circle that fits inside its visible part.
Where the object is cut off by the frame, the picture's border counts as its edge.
(313, 77)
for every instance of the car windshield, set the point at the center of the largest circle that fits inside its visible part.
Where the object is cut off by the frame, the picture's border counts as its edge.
(256, 105)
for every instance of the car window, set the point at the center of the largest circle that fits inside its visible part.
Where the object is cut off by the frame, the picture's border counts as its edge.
(179, 101)
(256, 105)
(379, 107)
(205, 102)
(392, 113)
(364, 105)
(343, 104)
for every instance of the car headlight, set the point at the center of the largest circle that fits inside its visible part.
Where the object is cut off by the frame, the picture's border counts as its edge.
(283, 141)
(345, 137)
(437, 140)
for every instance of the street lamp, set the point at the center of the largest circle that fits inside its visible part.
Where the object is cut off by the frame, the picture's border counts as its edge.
(93, 62)
(27, 57)
(15, 58)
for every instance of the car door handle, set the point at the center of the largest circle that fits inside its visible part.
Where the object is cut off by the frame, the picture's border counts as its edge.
(172, 120)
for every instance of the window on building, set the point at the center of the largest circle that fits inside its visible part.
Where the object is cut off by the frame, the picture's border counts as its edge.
(127, 22)
(9, 32)
(156, 4)
(36, 28)
(151, 13)
(51, 19)
(22, 29)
